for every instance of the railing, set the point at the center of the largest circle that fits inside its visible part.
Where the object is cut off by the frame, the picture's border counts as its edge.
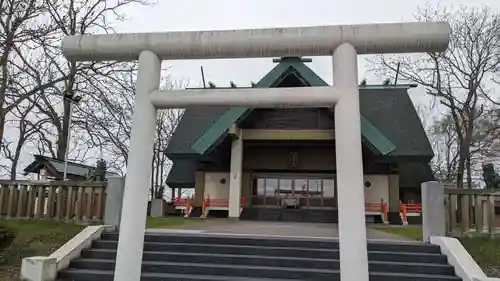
(476, 214)
(82, 202)
(412, 210)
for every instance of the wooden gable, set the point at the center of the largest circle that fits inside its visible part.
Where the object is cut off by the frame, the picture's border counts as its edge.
(293, 118)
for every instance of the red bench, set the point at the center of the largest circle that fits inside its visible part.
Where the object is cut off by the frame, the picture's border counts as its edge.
(409, 210)
(184, 204)
(219, 204)
(377, 209)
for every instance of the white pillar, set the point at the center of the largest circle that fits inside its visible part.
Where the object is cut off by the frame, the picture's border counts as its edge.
(114, 201)
(235, 177)
(433, 210)
(137, 182)
(351, 199)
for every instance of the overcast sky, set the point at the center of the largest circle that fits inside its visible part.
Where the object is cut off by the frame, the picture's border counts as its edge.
(190, 15)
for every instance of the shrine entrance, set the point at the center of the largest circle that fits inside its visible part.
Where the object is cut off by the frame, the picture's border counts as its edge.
(297, 191)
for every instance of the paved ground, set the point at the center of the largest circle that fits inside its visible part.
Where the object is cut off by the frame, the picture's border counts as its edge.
(261, 228)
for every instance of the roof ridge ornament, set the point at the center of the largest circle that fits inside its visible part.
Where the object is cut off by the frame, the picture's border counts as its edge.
(278, 60)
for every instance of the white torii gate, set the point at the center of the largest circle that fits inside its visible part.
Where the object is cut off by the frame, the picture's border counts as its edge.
(344, 43)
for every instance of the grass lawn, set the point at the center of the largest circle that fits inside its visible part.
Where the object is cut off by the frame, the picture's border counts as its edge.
(32, 238)
(485, 252)
(41, 238)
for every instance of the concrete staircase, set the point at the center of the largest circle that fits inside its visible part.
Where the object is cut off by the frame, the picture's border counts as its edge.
(183, 257)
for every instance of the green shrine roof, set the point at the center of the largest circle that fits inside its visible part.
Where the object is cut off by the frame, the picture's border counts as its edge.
(389, 121)
(390, 124)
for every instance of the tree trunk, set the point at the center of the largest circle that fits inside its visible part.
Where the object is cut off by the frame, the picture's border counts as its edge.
(15, 161)
(62, 141)
(460, 178)
(4, 82)
(17, 154)
(469, 185)
(152, 187)
(162, 176)
(2, 124)
(157, 174)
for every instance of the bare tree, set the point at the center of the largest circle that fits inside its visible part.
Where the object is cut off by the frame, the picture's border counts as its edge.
(12, 150)
(457, 77)
(75, 18)
(442, 137)
(486, 138)
(106, 113)
(445, 148)
(20, 29)
(32, 68)
(167, 121)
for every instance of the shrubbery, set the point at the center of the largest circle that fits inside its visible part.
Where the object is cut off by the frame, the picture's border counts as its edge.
(6, 237)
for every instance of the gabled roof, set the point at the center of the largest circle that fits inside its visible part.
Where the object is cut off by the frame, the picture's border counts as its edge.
(374, 139)
(389, 119)
(56, 167)
(389, 123)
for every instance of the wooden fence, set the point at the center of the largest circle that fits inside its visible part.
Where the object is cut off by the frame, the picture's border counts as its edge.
(82, 202)
(476, 215)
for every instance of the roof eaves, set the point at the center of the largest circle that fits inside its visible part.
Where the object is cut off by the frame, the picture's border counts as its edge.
(361, 87)
(377, 141)
(388, 87)
(49, 159)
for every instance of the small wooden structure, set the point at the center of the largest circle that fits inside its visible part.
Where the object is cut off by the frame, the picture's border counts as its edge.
(48, 168)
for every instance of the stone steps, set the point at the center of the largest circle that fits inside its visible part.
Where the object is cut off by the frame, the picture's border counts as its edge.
(241, 258)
